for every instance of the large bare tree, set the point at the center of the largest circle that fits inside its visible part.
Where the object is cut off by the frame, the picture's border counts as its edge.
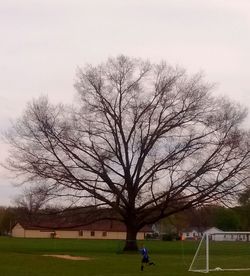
(144, 139)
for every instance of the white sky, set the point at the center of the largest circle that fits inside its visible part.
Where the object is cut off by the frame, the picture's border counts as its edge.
(43, 41)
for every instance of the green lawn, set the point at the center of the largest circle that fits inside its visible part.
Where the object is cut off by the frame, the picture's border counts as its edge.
(24, 257)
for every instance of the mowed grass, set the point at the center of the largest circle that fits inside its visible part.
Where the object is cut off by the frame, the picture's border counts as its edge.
(24, 257)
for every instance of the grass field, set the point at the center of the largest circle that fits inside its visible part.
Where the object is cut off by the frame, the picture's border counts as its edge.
(24, 257)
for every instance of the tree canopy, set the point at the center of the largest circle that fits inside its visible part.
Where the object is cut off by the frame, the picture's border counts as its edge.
(144, 139)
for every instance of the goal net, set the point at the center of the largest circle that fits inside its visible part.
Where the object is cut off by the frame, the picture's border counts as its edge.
(222, 251)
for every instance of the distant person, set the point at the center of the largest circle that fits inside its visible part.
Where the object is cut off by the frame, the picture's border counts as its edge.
(145, 258)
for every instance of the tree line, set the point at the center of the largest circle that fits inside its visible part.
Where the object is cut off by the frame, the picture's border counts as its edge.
(226, 219)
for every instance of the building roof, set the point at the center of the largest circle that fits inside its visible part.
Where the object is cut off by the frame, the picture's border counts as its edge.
(76, 221)
(102, 225)
(201, 229)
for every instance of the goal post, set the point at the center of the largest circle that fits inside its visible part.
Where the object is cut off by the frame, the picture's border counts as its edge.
(200, 262)
(222, 251)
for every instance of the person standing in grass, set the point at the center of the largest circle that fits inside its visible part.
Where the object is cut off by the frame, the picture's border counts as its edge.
(145, 258)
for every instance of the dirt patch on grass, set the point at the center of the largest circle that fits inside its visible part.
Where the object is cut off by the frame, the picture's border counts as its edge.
(68, 257)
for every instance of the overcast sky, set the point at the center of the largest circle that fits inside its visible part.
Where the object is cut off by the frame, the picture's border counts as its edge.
(43, 42)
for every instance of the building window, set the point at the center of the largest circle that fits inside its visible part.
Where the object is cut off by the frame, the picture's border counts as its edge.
(80, 233)
(92, 233)
(104, 234)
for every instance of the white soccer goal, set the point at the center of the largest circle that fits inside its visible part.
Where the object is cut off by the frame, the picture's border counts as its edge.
(222, 251)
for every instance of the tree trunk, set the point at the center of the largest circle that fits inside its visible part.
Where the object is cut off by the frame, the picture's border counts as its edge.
(131, 242)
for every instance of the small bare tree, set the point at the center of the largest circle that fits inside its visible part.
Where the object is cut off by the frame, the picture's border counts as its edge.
(33, 199)
(144, 139)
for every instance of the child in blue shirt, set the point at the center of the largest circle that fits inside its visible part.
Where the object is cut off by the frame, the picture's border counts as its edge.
(145, 258)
